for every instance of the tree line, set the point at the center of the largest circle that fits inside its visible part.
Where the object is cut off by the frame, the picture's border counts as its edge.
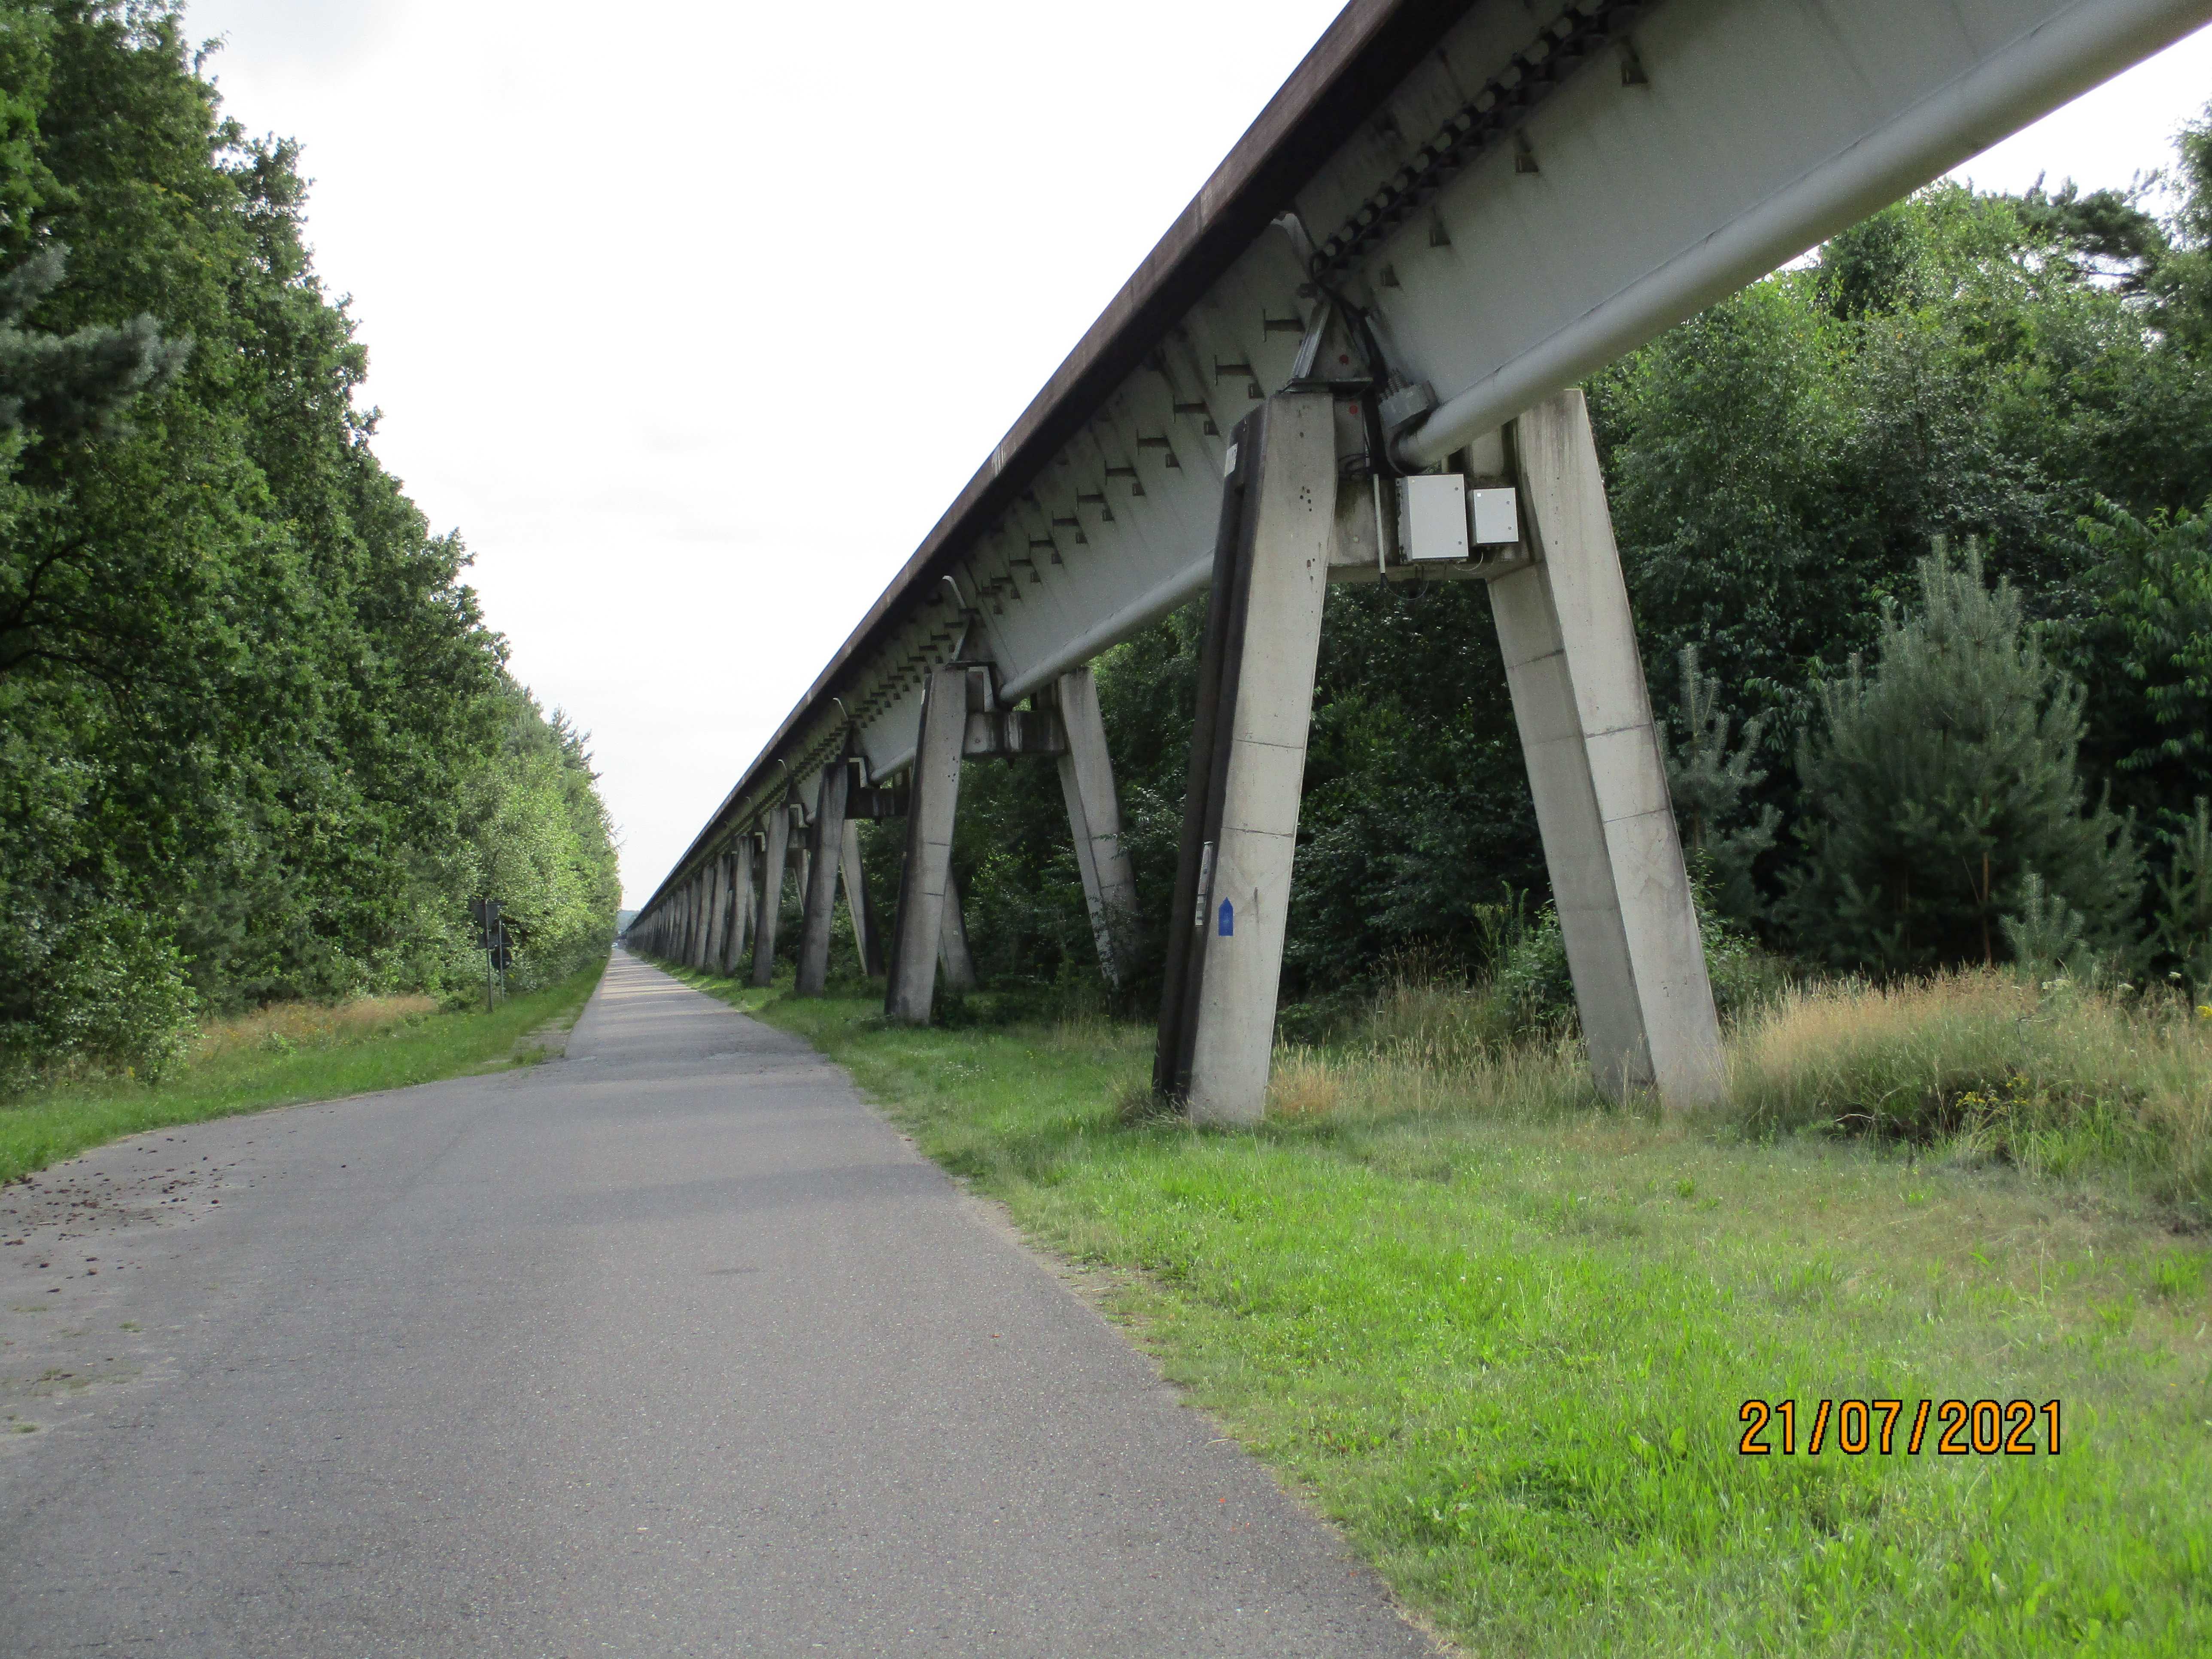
(1919, 533)
(256, 741)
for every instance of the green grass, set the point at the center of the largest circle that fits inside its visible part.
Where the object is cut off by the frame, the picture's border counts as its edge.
(283, 1056)
(1503, 1346)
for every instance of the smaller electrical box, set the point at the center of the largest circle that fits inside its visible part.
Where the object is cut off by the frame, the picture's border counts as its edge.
(1433, 518)
(1493, 517)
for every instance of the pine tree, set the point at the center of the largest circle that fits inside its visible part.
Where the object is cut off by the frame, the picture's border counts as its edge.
(1708, 780)
(1940, 780)
(2182, 932)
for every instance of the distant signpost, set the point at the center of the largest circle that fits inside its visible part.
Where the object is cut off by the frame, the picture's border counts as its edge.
(492, 940)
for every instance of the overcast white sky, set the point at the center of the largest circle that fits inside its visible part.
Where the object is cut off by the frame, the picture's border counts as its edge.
(694, 317)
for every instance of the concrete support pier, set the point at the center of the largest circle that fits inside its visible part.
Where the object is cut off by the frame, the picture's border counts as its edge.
(768, 908)
(1094, 814)
(1248, 761)
(741, 904)
(711, 880)
(953, 958)
(1599, 781)
(825, 847)
(867, 938)
(934, 799)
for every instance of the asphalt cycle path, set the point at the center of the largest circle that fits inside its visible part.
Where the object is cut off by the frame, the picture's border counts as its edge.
(671, 1347)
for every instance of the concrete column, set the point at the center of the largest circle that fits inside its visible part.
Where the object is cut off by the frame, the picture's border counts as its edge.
(776, 856)
(1599, 776)
(710, 934)
(710, 907)
(867, 937)
(932, 798)
(1291, 510)
(1094, 814)
(718, 914)
(952, 955)
(741, 903)
(825, 845)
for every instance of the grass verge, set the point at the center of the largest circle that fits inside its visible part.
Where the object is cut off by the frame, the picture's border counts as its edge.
(1502, 1335)
(283, 1055)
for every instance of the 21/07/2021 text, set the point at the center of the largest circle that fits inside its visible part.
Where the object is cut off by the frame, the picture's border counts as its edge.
(1982, 1427)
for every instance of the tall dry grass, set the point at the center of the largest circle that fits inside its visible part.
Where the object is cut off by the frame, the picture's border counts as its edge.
(1433, 1046)
(283, 1026)
(2059, 1079)
(2056, 1077)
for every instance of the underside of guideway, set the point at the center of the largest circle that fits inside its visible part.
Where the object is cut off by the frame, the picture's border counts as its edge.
(1448, 214)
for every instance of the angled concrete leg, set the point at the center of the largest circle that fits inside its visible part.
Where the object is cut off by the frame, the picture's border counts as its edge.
(768, 908)
(710, 913)
(867, 939)
(710, 943)
(1248, 763)
(725, 913)
(825, 849)
(741, 904)
(1094, 814)
(953, 954)
(1599, 783)
(931, 801)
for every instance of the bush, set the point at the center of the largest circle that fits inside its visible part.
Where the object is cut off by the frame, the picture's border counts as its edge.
(104, 990)
(1534, 989)
(1942, 778)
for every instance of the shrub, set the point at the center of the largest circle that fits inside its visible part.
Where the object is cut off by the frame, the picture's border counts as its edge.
(1534, 988)
(104, 990)
(1941, 779)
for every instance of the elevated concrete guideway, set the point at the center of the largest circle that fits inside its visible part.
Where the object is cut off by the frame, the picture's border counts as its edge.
(670, 1347)
(1453, 211)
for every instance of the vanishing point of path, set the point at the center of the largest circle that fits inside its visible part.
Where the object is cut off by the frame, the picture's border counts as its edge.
(673, 1347)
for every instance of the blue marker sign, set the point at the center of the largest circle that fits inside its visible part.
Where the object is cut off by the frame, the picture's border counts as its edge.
(1228, 919)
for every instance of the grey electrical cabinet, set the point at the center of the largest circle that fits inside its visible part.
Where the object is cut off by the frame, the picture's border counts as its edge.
(1493, 517)
(1433, 518)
